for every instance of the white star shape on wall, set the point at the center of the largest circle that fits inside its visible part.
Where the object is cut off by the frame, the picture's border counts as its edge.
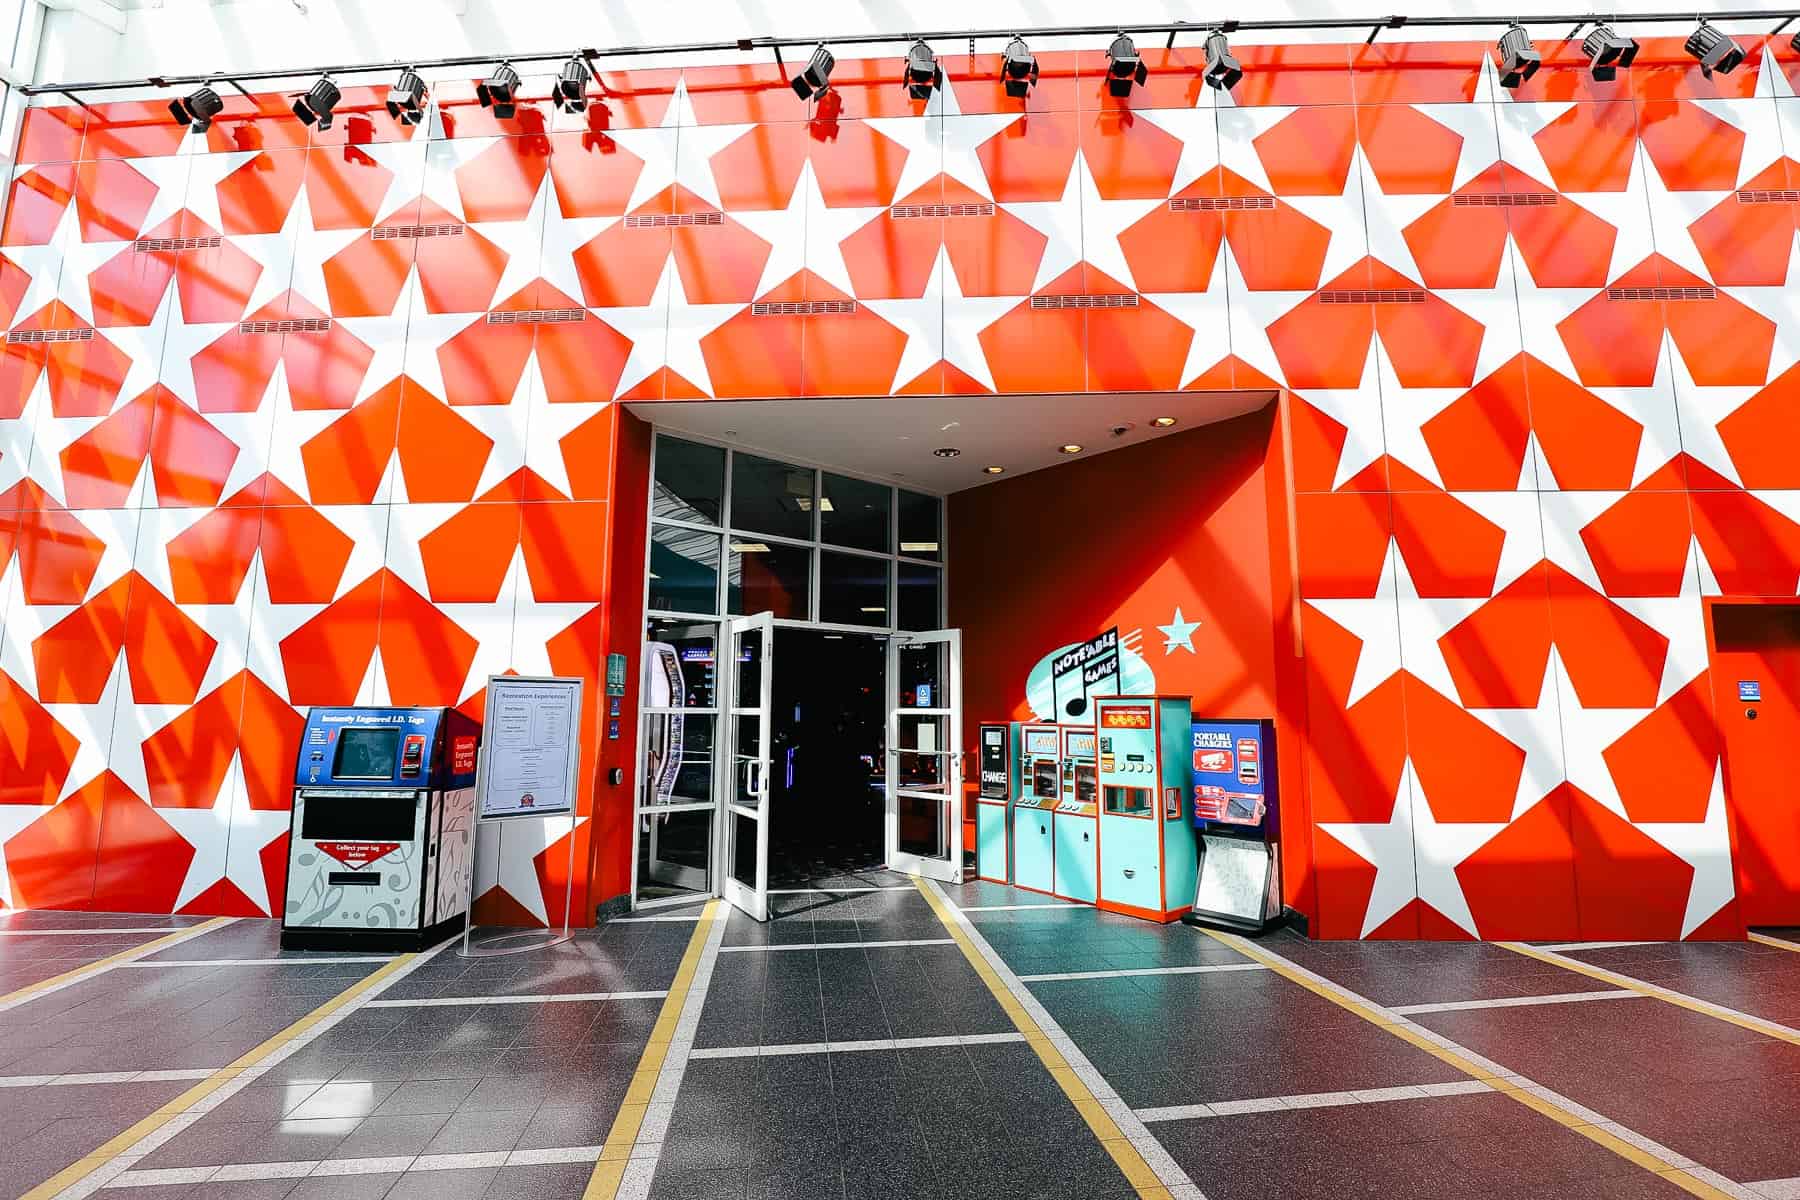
(1178, 634)
(228, 837)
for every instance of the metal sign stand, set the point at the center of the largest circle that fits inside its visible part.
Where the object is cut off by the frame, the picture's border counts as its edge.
(521, 941)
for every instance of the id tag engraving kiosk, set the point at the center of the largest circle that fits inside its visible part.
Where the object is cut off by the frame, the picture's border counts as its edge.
(1039, 790)
(994, 745)
(1237, 814)
(381, 837)
(1147, 858)
(1077, 817)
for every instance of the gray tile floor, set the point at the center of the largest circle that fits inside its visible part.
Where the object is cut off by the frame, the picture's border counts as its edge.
(823, 1063)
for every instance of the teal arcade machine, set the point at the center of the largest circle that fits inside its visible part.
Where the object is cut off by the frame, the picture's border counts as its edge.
(1076, 820)
(1147, 856)
(998, 757)
(1038, 790)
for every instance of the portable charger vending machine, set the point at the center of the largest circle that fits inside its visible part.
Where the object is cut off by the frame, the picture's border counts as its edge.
(1147, 856)
(1076, 820)
(1038, 789)
(1238, 819)
(381, 837)
(993, 801)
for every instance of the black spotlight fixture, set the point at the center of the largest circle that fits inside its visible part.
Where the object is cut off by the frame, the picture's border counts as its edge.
(1519, 60)
(315, 107)
(923, 75)
(406, 99)
(1715, 50)
(1608, 50)
(815, 76)
(1018, 69)
(571, 86)
(197, 109)
(500, 92)
(1222, 70)
(1124, 68)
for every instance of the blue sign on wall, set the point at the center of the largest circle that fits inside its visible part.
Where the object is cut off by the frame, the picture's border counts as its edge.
(1234, 764)
(1750, 691)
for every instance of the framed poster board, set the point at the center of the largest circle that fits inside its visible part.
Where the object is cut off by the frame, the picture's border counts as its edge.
(532, 747)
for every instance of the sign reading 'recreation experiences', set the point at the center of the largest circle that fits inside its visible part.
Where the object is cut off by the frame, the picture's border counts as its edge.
(533, 745)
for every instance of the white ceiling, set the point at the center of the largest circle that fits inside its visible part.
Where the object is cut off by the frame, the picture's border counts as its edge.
(892, 437)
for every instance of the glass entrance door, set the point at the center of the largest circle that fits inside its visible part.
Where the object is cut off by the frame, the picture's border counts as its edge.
(677, 813)
(924, 761)
(744, 763)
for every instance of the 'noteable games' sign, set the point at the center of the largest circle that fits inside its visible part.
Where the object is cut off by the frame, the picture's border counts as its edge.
(1085, 670)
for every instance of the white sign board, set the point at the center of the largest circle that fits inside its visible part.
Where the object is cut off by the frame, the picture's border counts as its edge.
(1234, 878)
(531, 747)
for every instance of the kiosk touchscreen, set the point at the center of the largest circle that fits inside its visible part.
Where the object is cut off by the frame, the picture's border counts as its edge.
(1038, 791)
(381, 836)
(1147, 856)
(1237, 816)
(1076, 820)
(993, 799)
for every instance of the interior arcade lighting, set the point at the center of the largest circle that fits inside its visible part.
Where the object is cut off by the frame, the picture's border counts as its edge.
(993, 470)
(406, 99)
(1069, 448)
(570, 94)
(815, 76)
(923, 76)
(1018, 69)
(197, 109)
(1222, 70)
(315, 107)
(1608, 51)
(500, 92)
(947, 452)
(1163, 422)
(1715, 50)
(1519, 60)
(1124, 67)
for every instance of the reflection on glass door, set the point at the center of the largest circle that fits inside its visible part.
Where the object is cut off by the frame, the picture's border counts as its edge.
(749, 643)
(676, 810)
(924, 767)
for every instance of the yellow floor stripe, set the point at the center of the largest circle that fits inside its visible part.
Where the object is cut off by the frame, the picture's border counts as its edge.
(1131, 1162)
(1778, 943)
(116, 1146)
(1401, 1028)
(173, 937)
(1717, 1012)
(609, 1170)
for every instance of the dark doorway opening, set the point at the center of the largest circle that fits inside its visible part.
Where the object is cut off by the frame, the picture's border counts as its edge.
(828, 745)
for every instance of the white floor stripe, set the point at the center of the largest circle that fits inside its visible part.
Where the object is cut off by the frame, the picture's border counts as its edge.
(98, 931)
(834, 945)
(1168, 1171)
(81, 976)
(1017, 907)
(1777, 1189)
(1517, 1001)
(914, 1043)
(312, 961)
(1232, 1108)
(1785, 943)
(91, 1077)
(1129, 972)
(647, 1150)
(327, 1168)
(127, 1160)
(833, 891)
(689, 918)
(537, 998)
(1556, 946)
(1672, 1157)
(1692, 1003)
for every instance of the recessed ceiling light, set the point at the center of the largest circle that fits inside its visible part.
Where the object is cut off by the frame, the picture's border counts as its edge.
(1069, 448)
(750, 547)
(992, 470)
(946, 452)
(1163, 422)
(731, 433)
(918, 547)
(867, 609)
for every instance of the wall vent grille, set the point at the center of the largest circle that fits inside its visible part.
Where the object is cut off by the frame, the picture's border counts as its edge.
(1373, 296)
(37, 337)
(388, 233)
(665, 220)
(293, 325)
(1769, 196)
(171, 245)
(802, 308)
(1087, 300)
(1504, 200)
(1635, 294)
(538, 316)
(1221, 203)
(937, 212)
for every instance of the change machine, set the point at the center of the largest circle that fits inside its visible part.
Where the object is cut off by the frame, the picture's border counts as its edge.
(993, 801)
(1237, 814)
(1147, 858)
(1039, 789)
(382, 834)
(1076, 820)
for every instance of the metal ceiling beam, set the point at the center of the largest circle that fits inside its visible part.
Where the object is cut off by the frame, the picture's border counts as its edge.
(999, 36)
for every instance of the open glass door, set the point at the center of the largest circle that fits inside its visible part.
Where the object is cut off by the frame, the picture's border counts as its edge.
(676, 813)
(924, 762)
(749, 645)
